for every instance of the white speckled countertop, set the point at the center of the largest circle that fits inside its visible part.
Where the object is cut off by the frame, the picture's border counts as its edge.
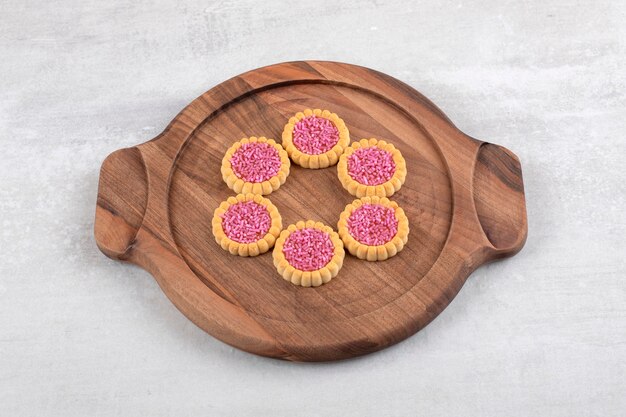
(543, 333)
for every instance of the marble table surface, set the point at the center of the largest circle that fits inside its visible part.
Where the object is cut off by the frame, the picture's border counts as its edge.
(542, 333)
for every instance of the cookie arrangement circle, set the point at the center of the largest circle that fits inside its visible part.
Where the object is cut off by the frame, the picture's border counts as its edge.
(246, 225)
(373, 228)
(255, 165)
(371, 167)
(308, 254)
(315, 138)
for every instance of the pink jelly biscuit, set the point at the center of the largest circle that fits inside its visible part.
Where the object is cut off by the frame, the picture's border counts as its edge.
(255, 162)
(373, 224)
(246, 222)
(308, 249)
(315, 135)
(371, 166)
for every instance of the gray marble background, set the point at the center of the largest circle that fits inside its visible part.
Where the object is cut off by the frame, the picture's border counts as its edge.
(543, 333)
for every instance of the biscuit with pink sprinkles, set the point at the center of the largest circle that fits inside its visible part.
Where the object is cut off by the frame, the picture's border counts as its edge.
(373, 228)
(246, 225)
(308, 254)
(371, 167)
(315, 138)
(255, 165)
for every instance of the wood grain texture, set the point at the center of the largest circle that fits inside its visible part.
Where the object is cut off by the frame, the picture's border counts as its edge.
(464, 200)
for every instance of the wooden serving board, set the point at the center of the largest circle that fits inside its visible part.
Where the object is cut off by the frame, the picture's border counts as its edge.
(464, 199)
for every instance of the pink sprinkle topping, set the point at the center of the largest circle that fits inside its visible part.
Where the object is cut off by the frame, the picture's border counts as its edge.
(371, 166)
(246, 222)
(315, 135)
(373, 224)
(308, 249)
(255, 162)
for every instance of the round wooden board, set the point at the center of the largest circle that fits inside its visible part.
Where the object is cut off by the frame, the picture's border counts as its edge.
(464, 200)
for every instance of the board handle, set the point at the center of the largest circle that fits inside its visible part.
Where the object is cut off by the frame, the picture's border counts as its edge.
(122, 201)
(498, 192)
